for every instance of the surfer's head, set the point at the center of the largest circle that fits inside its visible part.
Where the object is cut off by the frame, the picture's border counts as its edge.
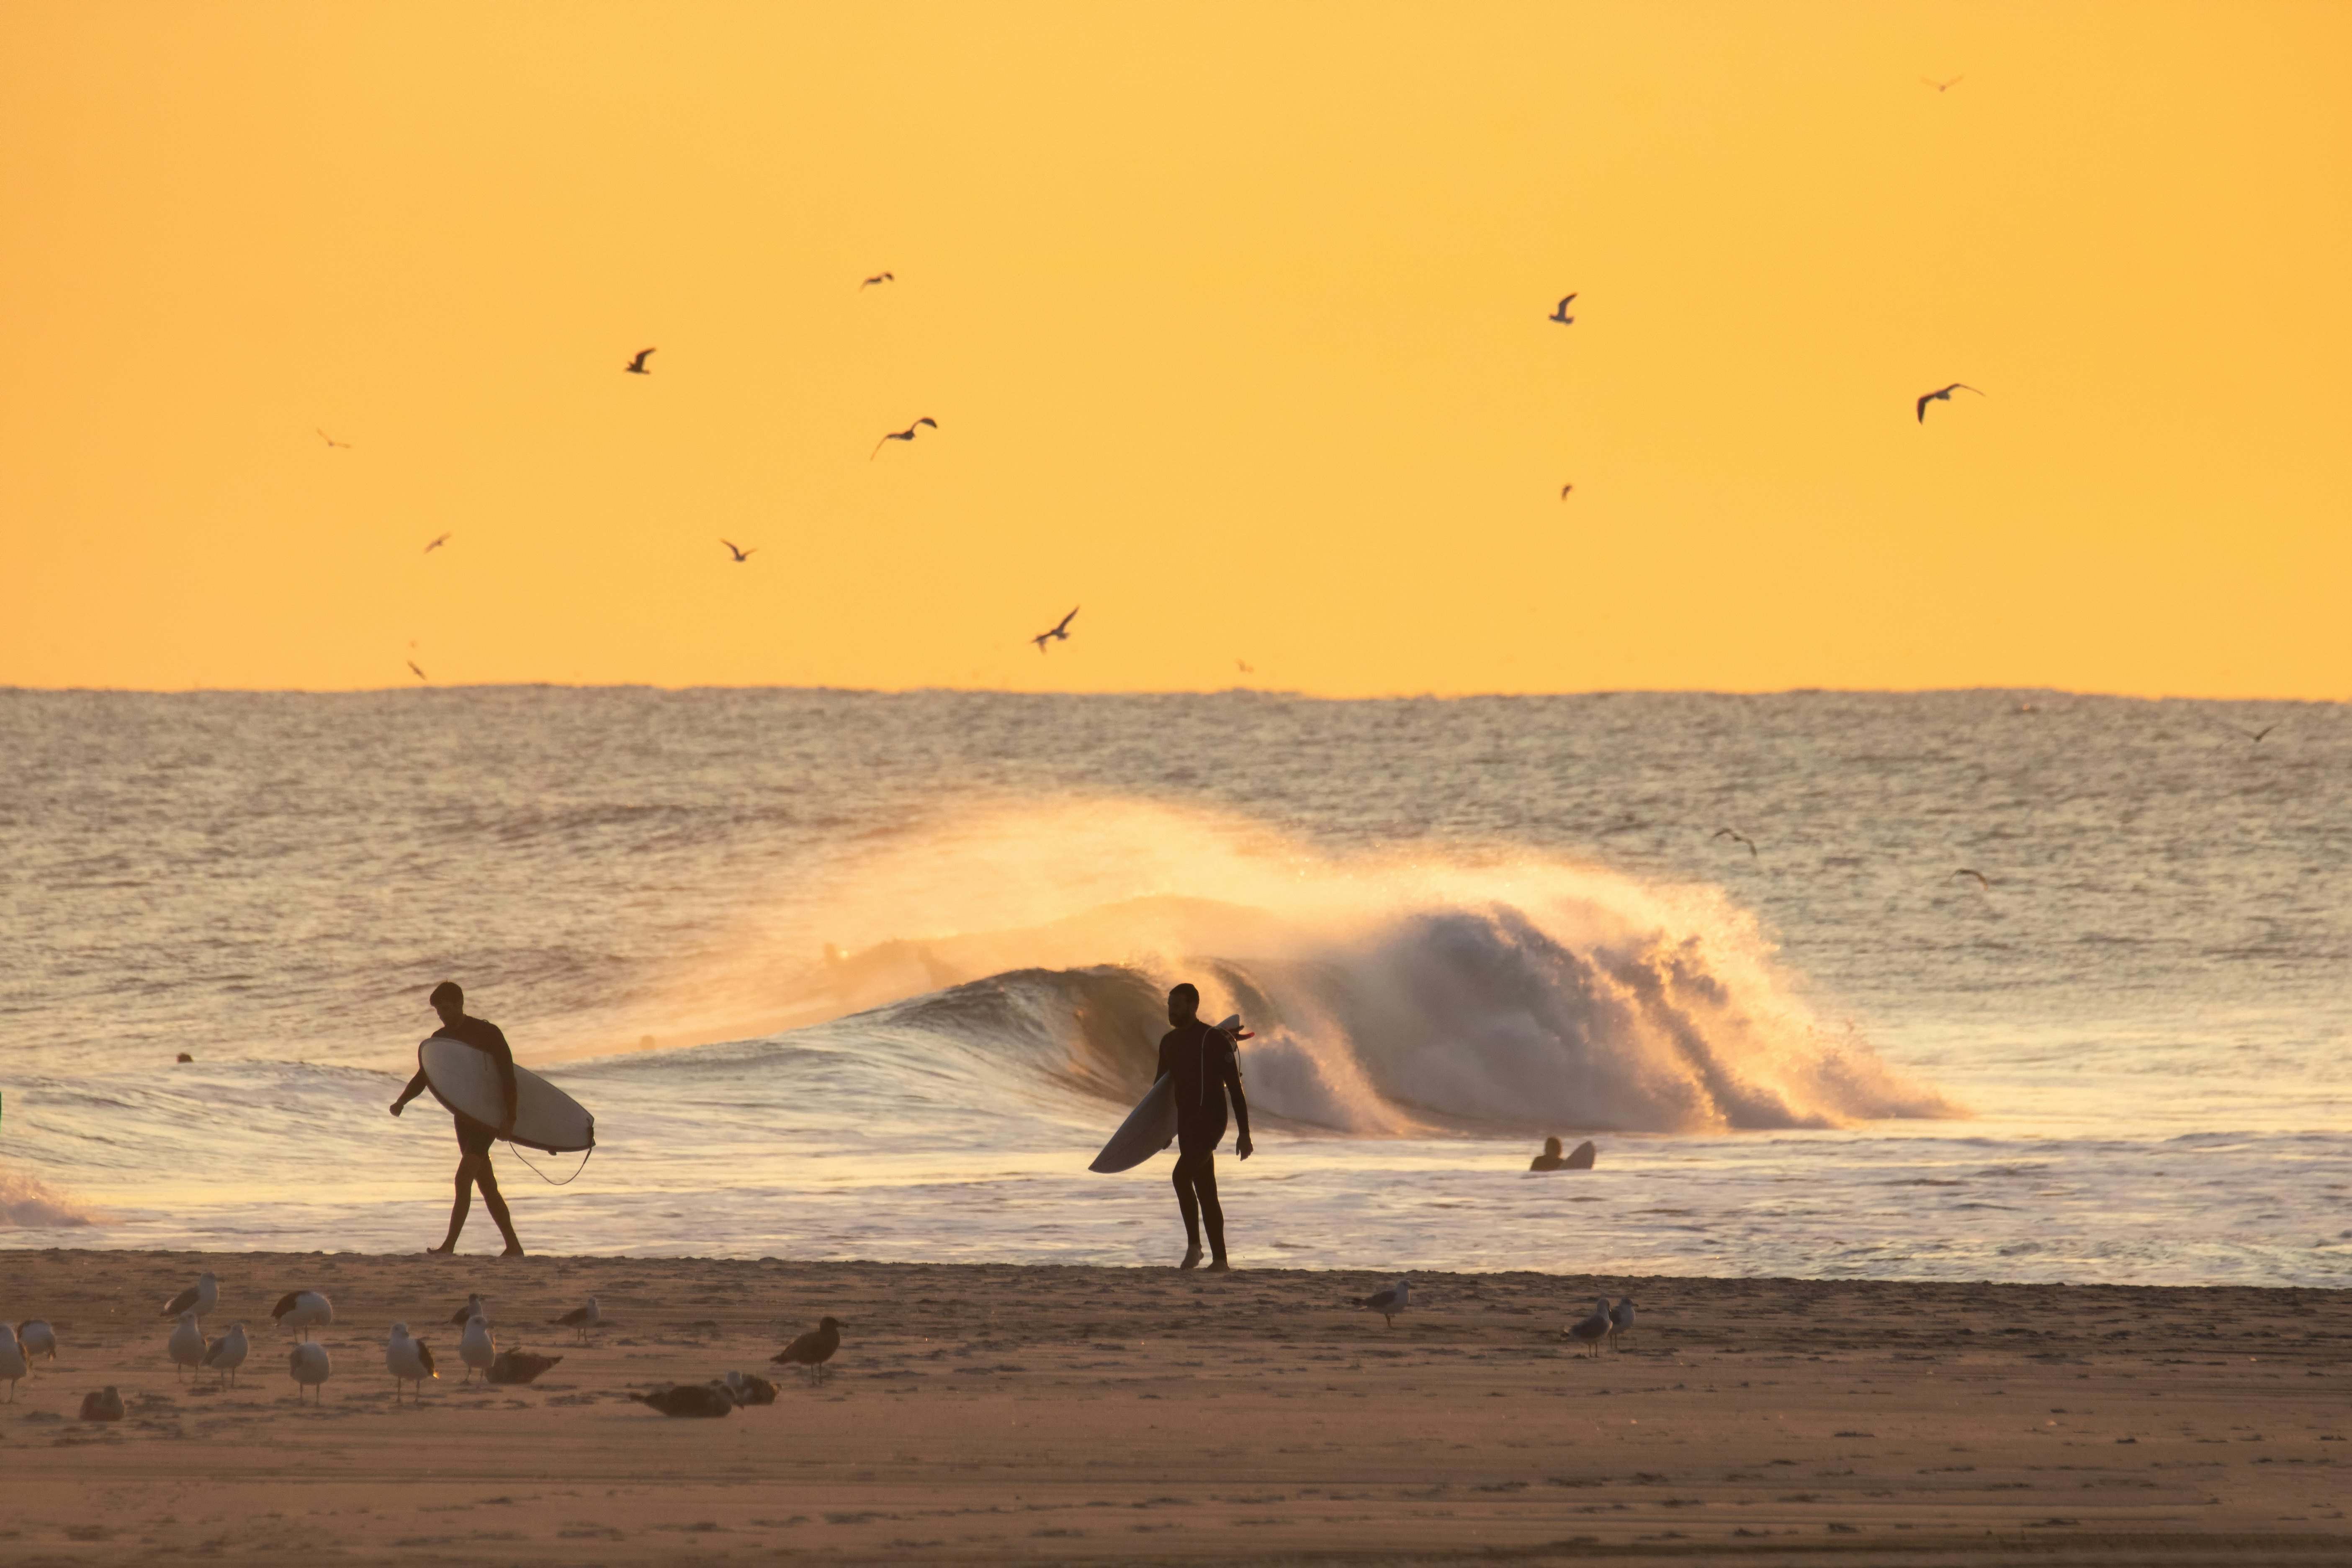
(1551, 1147)
(1184, 1003)
(448, 999)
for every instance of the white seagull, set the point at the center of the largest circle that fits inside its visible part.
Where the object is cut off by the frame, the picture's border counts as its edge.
(1388, 1303)
(308, 1364)
(227, 1353)
(187, 1343)
(409, 1361)
(582, 1319)
(1621, 1319)
(199, 1298)
(12, 1365)
(38, 1338)
(303, 1309)
(1594, 1329)
(476, 1348)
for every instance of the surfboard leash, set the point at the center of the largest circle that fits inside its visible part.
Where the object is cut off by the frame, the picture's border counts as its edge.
(543, 1175)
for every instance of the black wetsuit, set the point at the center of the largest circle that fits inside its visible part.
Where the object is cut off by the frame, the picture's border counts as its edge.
(473, 1137)
(1203, 1066)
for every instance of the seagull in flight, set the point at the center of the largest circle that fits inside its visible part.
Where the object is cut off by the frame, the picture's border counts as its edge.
(1059, 634)
(741, 555)
(2255, 735)
(331, 441)
(1942, 86)
(1240, 664)
(1945, 395)
(1737, 838)
(1982, 880)
(1560, 311)
(878, 277)
(1564, 490)
(418, 673)
(906, 435)
(436, 544)
(638, 365)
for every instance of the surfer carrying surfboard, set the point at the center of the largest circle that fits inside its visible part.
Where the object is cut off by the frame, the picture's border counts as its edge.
(1203, 1068)
(474, 1138)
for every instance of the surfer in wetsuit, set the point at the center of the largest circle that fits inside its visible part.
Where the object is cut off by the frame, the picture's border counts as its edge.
(474, 1138)
(1207, 1070)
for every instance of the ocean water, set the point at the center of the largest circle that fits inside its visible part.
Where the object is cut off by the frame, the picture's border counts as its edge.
(855, 975)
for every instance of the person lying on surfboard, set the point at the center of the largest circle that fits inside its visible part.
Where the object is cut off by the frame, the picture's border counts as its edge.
(474, 1138)
(1207, 1070)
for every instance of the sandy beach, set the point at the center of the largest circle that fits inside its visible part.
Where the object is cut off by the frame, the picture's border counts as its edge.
(1089, 1415)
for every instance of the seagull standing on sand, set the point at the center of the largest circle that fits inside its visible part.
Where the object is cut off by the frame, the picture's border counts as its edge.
(476, 1348)
(1560, 311)
(408, 1360)
(813, 1349)
(201, 1297)
(39, 1339)
(906, 435)
(1945, 395)
(227, 1353)
(638, 365)
(14, 1366)
(582, 1319)
(1594, 1329)
(1621, 1319)
(475, 1307)
(303, 1309)
(308, 1364)
(106, 1405)
(187, 1344)
(1388, 1303)
(1737, 838)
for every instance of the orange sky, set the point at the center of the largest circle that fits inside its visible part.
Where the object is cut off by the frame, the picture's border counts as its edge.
(1233, 321)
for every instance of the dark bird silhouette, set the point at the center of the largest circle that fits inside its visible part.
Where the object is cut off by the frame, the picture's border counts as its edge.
(1943, 396)
(1240, 664)
(1737, 838)
(813, 1349)
(105, 1404)
(878, 277)
(1560, 311)
(1982, 880)
(1942, 86)
(638, 365)
(906, 435)
(1564, 490)
(582, 1319)
(436, 544)
(416, 672)
(1059, 634)
(331, 441)
(689, 1399)
(2255, 735)
(519, 1366)
(741, 555)
(475, 1307)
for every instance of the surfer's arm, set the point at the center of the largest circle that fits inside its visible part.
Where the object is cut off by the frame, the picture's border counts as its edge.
(504, 1056)
(1232, 1070)
(415, 1087)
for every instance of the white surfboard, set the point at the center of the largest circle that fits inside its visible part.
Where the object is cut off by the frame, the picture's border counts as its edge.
(467, 1082)
(1152, 1125)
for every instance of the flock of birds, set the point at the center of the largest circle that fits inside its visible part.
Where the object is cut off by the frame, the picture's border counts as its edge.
(406, 1356)
(1608, 1321)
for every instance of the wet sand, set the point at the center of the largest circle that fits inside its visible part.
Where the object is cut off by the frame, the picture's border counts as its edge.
(1089, 1415)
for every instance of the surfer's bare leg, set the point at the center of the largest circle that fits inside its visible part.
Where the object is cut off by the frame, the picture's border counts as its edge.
(465, 1203)
(1188, 1204)
(497, 1205)
(1212, 1213)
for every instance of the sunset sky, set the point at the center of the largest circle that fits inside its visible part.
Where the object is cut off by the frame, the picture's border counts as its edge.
(1233, 321)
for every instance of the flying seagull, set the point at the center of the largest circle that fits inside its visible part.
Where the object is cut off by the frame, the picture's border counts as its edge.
(1942, 86)
(1059, 634)
(1560, 311)
(331, 441)
(436, 544)
(1737, 838)
(638, 365)
(416, 672)
(2255, 735)
(1982, 880)
(1943, 396)
(741, 555)
(878, 277)
(1240, 664)
(906, 435)
(1564, 490)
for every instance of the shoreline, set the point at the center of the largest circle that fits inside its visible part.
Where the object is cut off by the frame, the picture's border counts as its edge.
(1080, 1413)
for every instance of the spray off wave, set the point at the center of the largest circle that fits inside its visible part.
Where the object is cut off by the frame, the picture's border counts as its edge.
(1456, 991)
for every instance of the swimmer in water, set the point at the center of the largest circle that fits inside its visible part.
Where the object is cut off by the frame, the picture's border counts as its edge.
(1549, 1160)
(1207, 1070)
(474, 1139)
